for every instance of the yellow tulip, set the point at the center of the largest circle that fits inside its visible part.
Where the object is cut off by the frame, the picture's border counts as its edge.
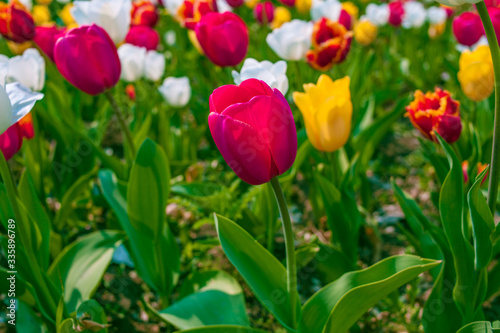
(281, 15)
(195, 42)
(19, 48)
(44, 2)
(365, 32)
(303, 6)
(476, 73)
(66, 17)
(251, 3)
(41, 14)
(327, 111)
(436, 30)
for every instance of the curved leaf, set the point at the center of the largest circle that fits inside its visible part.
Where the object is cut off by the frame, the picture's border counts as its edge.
(481, 327)
(223, 329)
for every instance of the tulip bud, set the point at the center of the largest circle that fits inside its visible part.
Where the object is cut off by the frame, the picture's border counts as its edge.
(87, 58)
(66, 17)
(272, 74)
(331, 43)
(303, 6)
(292, 40)
(436, 112)
(41, 14)
(264, 12)
(396, 13)
(27, 69)
(130, 91)
(143, 36)
(191, 11)
(235, 3)
(289, 3)
(414, 15)
(468, 28)
(223, 38)
(327, 111)
(45, 38)
(378, 14)
(253, 127)
(476, 73)
(176, 91)
(281, 15)
(332, 10)
(16, 23)
(144, 13)
(365, 32)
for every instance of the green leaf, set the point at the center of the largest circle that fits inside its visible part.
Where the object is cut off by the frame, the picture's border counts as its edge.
(213, 298)
(483, 224)
(337, 306)
(27, 320)
(148, 190)
(223, 329)
(451, 205)
(145, 255)
(80, 266)
(265, 275)
(196, 189)
(481, 327)
(91, 316)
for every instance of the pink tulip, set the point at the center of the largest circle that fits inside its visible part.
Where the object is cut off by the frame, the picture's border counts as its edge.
(495, 19)
(468, 28)
(11, 140)
(345, 19)
(46, 37)
(289, 3)
(253, 127)
(87, 57)
(264, 12)
(223, 38)
(397, 12)
(143, 36)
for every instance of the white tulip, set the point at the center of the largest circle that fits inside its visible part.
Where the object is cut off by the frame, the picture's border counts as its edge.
(223, 6)
(132, 59)
(436, 15)
(154, 66)
(292, 40)
(326, 8)
(172, 6)
(176, 91)
(415, 15)
(27, 3)
(112, 15)
(27, 69)
(272, 74)
(16, 100)
(378, 14)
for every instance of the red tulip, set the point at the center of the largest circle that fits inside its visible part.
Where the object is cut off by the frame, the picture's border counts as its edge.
(289, 3)
(16, 23)
(492, 3)
(495, 19)
(345, 19)
(468, 28)
(264, 12)
(46, 37)
(397, 12)
(436, 112)
(223, 38)
(87, 57)
(11, 140)
(143, 36)
(253, 127)
(449, 11)
(235, 3)
(191, 11)
(144, 13)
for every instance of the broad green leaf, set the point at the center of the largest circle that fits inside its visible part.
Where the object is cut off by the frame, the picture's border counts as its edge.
(214, 298)
(22, 291)
(223, 329)
(482, 224)
(144, 253)
(80, 266)
(337, 306)
(27, 320)
(91, 316)
(451, 205)
(438, 161)
(265, 275)
(481, 327)
(148, 190)
(196, 189)
(68, 326)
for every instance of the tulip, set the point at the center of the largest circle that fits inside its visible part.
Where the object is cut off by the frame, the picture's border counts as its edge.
(132, 60)
(273, 75)
(289, 3)
(176, 91)
(223, 6)
(436, 15)
(144, 36)
(492, 3)
(191, 11)
(378, 14)
(415, 15)
(154, 66)
(476, 73)
(144, 13)
(331, 43)
(253, 127)
(16, 23)
(235, 3)
(130, 91)
(351, 9)
(223, 38)
(27, 69)
(87, 58)
(436, 30)
(435, 112)
(19, 48)
(281, 16)
(264, 12)
(468, 28)
(66, 17)
(41, 15)
(396, 13)
(45, 38)
(365, 32)
(303, 6)
(495, 19)
(292, 40)
(12, 139)
(112, 15)
(480, 168)
(332, 10)
(327, 111)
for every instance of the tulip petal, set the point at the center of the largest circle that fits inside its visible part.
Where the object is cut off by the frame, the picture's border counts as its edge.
(11, 141)
(225, 96)
(22, 100)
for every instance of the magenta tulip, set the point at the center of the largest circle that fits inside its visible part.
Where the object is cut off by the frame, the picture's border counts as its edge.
(495, 19)
(264, 12)
(143, 36)
(253, 127)
(396, 13)
(223, 38)
(46, 37)
(87, 57)
(468, 28)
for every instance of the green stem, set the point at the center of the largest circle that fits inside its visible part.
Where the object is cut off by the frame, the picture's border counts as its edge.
(119, 114)
(9, 185)
(291, 267)
(270, 231)
(495, 152)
